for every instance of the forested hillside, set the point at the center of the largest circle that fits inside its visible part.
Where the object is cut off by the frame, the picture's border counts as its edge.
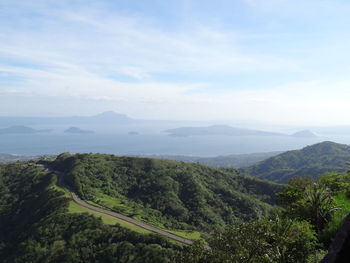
(35, 226)
(167, 193)
(312, 161)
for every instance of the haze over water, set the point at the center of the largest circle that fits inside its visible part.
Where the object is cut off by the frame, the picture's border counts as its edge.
(38, 144)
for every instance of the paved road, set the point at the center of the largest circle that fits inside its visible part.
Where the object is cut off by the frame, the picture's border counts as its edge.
(120, 216)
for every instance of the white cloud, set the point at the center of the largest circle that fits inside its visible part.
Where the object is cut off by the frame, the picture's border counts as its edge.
(61, 53)
(102, 42)
(291, 9)
(65, 53)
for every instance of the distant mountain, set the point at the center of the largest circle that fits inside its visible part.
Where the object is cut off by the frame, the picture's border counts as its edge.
(226, 161)
(21, 130)
(78, 131)
(218, 130)
(304, 134)
(313, 160)
(109, 117)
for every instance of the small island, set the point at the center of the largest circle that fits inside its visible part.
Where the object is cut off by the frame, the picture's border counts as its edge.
(133, 133)
(77, 130)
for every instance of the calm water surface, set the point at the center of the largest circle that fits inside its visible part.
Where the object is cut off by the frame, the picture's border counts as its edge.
(152, 144)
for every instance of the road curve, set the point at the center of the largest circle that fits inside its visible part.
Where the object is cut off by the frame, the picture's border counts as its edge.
(117, 215)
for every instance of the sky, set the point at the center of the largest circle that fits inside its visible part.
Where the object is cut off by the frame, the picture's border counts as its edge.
(275, 61)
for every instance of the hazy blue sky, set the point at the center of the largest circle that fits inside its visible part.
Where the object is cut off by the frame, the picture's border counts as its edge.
(270, 60)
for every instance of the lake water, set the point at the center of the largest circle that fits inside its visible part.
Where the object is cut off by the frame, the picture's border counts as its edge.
(146, 144)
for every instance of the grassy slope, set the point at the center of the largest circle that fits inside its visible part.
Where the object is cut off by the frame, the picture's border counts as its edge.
(76, 208)
(111, 203)
(110, 220)
(343, 203)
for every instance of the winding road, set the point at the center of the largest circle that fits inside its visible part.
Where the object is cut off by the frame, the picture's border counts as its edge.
(117, 215)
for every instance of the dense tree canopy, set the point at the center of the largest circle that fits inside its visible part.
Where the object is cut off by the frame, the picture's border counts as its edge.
(177, 194)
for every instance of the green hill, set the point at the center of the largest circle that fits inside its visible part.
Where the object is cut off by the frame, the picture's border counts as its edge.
(165, 193)
(313, 161)
(36, 226)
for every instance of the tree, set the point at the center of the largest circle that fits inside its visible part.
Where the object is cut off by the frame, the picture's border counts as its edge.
(319, 206)
(304, 200)
(336, 182)
(261, 241)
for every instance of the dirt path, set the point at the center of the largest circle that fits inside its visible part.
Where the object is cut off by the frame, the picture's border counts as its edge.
(119, 216)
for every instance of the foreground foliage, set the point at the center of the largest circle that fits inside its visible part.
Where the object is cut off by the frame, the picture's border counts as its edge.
(309, 201)
(262, 241)
(311, 214)
(323, 203)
